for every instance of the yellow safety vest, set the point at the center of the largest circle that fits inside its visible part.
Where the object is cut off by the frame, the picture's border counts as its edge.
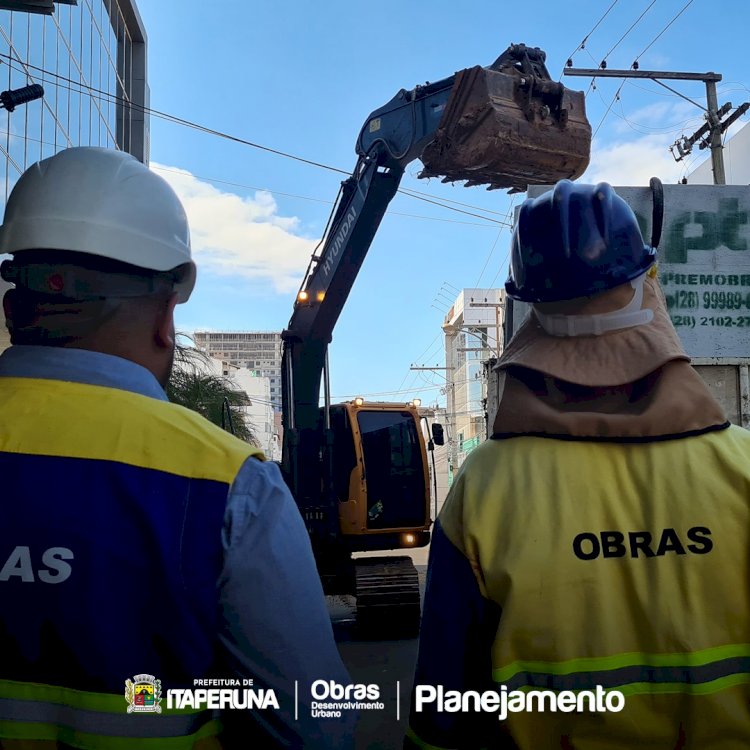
(131, 480)
(624, 565)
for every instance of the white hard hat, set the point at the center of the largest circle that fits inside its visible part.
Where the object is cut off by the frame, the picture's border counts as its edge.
(101, 202)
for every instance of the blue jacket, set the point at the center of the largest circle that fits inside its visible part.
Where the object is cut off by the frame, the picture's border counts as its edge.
(136, 537)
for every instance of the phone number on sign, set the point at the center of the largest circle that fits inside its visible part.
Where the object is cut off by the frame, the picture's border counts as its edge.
(684, 300)
(723, 321)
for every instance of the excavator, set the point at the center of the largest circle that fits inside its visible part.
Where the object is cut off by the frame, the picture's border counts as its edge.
(359, 470)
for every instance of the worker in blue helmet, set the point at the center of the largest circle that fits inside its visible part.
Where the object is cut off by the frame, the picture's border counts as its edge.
(597, 544)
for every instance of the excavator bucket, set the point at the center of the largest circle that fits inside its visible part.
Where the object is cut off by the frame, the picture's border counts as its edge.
(509, 126)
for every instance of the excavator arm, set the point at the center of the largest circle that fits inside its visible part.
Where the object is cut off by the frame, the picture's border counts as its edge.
(507, 125)
(392, 137)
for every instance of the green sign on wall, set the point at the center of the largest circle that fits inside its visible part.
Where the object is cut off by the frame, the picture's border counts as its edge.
(704, 263)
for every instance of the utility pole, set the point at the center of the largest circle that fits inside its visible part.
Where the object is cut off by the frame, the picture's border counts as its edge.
(498, 325)
(714, 126)
(714, 121)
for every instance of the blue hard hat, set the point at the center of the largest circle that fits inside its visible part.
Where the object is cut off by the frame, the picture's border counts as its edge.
(575, 241)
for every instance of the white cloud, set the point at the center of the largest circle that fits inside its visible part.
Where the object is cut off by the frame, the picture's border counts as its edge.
(241, 236)
(631, 153)
(633, 162)
(659, 117)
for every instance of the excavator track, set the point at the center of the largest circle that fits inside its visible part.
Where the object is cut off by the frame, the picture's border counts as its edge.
(387, 591)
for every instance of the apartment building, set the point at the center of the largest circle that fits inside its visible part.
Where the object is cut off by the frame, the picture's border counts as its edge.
(473, 334)
(258, 351)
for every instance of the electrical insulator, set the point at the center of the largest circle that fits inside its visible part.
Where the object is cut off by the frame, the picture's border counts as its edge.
(12, 98)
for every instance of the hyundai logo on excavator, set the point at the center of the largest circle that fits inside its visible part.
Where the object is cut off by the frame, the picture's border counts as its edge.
(339, 240)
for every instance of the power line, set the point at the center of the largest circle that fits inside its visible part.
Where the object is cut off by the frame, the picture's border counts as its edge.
(427, 353)
(436, 351)
(408, 191)
(489, 256)
(741, 86)
(437, 218)
(429, 347)
(431, 387)
(635, 125)
(303, 197)
(265, 190)
(494, 244)
(632, 26)
(582, 45)
(389, 393)
(592, 85)
(635, 64)
(650, 44)
(604, 117)
(654, 130)
(688, 165)
(651, 91)
(220, 134)
(166, 115)
(500, 268)
(186, 173)
(459, 210)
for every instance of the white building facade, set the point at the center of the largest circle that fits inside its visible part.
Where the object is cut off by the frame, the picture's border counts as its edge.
(258, 351)
(473, 334)
(736, 153)
(258, 411)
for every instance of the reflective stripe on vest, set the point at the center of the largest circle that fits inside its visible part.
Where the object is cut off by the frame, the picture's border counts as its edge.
(147, 480)
(95, 721)
(653, 603)
(76, 420)
(697, 673)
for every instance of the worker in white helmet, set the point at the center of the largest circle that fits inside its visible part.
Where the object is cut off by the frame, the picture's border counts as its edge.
(588, 572)
(141, 547)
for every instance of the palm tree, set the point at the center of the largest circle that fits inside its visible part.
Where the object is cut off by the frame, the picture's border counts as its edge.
(215, 397)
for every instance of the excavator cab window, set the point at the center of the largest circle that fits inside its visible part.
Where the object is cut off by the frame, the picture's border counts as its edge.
(344, 457)
(394, 469)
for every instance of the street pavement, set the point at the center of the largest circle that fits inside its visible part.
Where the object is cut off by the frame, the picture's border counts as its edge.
(386, 663)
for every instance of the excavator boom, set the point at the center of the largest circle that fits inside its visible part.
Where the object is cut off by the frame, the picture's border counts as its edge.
(507, 126)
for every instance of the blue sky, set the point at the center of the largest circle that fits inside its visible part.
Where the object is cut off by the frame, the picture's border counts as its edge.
(302, 77)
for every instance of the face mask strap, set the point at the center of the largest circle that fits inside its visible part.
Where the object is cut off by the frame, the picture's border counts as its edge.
(595, 325)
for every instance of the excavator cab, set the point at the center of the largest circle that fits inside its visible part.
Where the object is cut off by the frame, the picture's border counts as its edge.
(380, 476)
(381, 484)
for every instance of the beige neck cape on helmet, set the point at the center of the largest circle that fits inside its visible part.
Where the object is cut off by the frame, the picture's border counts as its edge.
(633, 382)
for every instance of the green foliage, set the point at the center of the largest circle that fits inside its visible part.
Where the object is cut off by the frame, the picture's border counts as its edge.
(214, 397)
